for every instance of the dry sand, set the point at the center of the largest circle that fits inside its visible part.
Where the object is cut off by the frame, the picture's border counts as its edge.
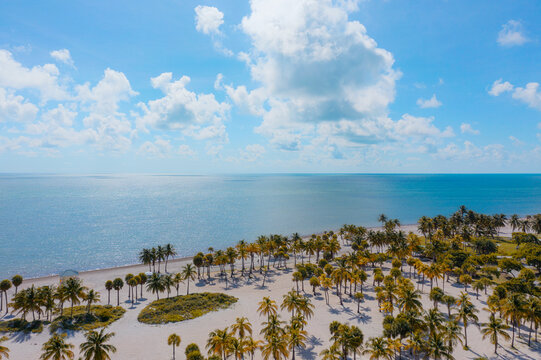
(135, 340)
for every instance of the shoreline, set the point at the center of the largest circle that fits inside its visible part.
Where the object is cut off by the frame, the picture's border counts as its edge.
(406, 227)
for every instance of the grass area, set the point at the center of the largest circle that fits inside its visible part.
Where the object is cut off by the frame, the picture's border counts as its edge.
(505, 246)
(185, 307)
(99, 316)
(16, 325)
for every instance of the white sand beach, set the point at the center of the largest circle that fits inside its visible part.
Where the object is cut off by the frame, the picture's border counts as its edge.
(136, 340)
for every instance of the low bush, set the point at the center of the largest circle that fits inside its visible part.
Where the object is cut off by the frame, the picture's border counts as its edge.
(184, 307)
(16, 325)
(98, 317)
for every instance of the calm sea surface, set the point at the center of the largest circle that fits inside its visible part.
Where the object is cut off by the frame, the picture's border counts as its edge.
(52, 223)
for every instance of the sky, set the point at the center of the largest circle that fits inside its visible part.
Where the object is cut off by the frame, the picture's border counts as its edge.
(270, 86)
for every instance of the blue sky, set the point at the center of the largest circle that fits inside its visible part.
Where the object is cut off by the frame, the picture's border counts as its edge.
(270, 86)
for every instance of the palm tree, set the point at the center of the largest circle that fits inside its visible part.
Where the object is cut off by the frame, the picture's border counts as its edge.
(146, 257)
(91, 297)
(74, 291)
(218, 342)
(169, 252)
(378, 348)
(494, 328)
(296, 338)
(514, 221)
(117, 285)
(437, 349)
(237, 348)
(174, 341)
(57, 349)
(155, 285)
(466, 312)
(276, 348)
(5, 285)
(267, 307)
(513, 310)
(188, 272)
(452, 334)
(532, 312)
(4, 350)
(241, 326)
(252, 345)
(17, 280)
(108, 287)
(332, 353)
(95, 347)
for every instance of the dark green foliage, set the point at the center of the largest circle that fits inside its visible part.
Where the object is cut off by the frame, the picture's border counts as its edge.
(99, 316)
(484, 246)
(185, 307)
(523, 238)
(191, 348)
(16, 325)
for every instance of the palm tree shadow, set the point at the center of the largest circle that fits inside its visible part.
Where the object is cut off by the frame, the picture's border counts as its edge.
(21, 336)
(308, 352)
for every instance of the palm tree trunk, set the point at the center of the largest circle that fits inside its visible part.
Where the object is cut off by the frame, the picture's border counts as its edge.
(188, 287)
(513, 340)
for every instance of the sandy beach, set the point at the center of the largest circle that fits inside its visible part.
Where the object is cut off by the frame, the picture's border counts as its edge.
(135, 340)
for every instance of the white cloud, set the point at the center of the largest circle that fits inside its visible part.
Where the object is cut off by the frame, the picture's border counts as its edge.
(469, 151)
(185, 150)
(412, 126)
(499, 87)
(15, 108)
(314, 67)
(512, 34)
(200, 116)
(467, 128)
(44, 78)
(433, 102)
(208, 19)
(63, 55)
(252, 152)
(159, 148)
(529, 95)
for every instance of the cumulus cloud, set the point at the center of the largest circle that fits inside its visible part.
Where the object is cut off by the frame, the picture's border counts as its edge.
(252, 152)
(185, 150)
(15, 108)
(157, 148)
(200, 116)
(62, 55)
(293, 41)
(512, 34)
(433, 102)
(468, 129)
(469, 151)
(43, 78)
(499, 87)
(529, 94)
(412, 126)
(208, 19)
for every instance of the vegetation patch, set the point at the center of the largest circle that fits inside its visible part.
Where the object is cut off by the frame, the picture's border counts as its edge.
(185, 307)
(16, 325)
(98, 317)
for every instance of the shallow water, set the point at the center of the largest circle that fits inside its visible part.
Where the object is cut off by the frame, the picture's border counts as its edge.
(50, 223)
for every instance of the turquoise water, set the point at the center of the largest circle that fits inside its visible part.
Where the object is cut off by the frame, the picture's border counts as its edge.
(52, 223)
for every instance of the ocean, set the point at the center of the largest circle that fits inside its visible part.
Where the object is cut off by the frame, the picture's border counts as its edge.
(50, 223)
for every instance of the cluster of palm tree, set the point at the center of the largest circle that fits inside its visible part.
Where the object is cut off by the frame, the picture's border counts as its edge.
(5, 285)
(48, 300)
(95, 347)
(280, 338)
(529, 223)
(156, 255)
(277, 249)
(158, 283)
(345, 339)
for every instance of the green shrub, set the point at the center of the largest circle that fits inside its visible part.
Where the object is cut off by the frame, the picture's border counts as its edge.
(185, 307)
(16, 325)
(100, 316)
